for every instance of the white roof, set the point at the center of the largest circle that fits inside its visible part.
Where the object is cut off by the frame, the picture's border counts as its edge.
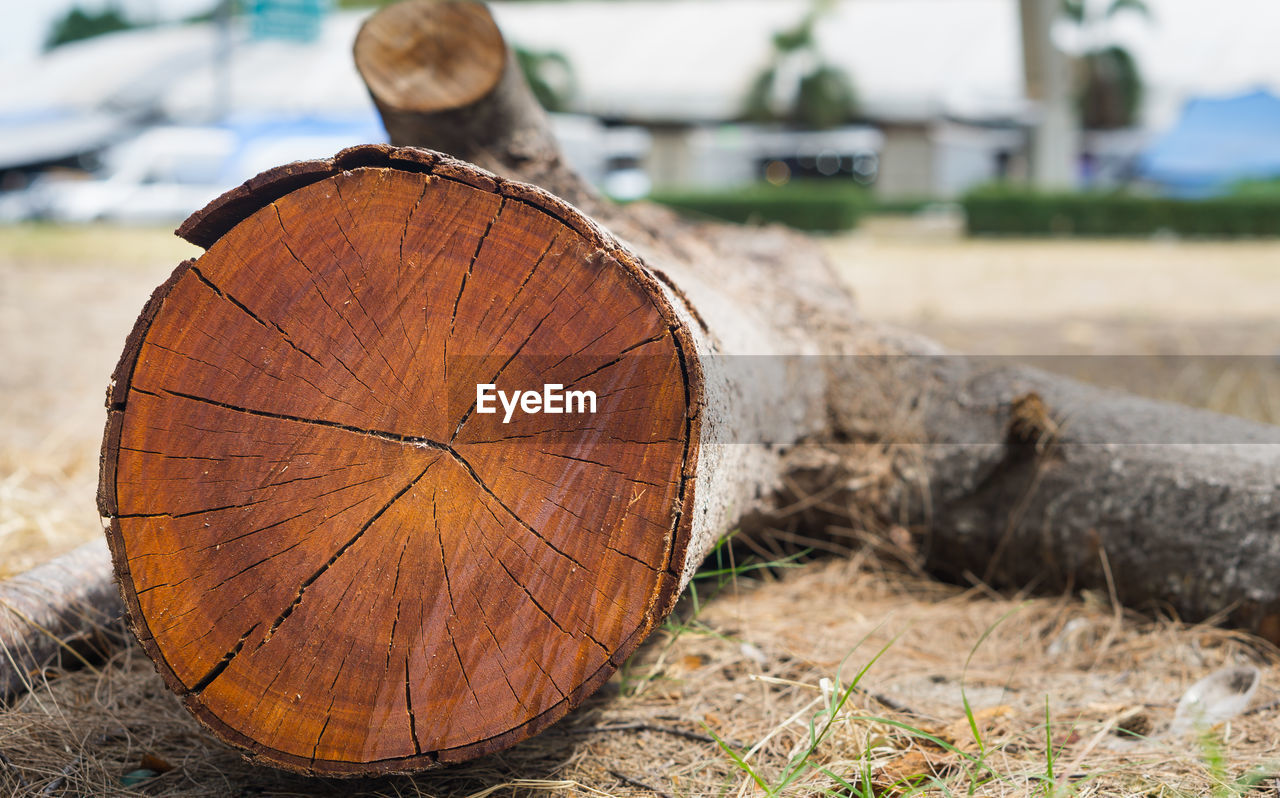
(280, 76)
(174, 69)
(695, 59)
(106, 72)
(54, 136)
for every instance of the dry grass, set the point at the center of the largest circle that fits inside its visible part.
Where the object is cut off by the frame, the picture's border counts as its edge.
(905, 271)
(68, 296)
(46, 502)
(1183, 321)
(755, 667)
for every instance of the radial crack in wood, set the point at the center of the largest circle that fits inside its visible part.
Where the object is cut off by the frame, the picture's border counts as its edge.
(319, 537)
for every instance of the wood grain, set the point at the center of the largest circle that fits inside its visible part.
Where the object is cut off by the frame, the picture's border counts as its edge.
(433, 57)
(336, 561)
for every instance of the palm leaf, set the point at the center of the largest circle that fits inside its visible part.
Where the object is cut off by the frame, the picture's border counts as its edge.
(1137, 6)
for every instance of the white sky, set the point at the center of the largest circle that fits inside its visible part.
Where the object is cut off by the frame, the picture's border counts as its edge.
(25, 24)
(650, 52)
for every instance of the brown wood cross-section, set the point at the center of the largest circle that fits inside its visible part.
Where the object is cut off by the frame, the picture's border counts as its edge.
(329, 553)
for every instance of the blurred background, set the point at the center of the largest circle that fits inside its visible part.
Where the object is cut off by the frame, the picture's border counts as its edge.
(1091, 184)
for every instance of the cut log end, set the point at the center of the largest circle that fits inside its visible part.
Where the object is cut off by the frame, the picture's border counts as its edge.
(329, 549)
(430, 57)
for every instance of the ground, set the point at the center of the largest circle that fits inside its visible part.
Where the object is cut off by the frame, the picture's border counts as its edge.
(68, 298)
(1192, 321)
(1066, 697)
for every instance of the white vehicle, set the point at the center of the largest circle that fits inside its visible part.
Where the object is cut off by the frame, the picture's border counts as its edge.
(166, 173)
(161, 175)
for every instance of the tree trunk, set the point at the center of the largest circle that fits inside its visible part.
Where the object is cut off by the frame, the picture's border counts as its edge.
(344, 564)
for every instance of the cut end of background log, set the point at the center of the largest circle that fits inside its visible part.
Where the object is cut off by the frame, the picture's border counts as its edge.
(442, 77)
(338, 562)
(431, 58)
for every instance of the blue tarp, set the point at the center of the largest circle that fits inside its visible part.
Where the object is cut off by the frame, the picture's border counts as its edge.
(1217, 142)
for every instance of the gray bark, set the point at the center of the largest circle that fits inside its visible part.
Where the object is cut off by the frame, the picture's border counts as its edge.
(56, 615)
(1179, 505)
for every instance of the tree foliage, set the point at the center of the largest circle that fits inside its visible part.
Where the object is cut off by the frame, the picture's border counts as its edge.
(1112, 89)
(550, 76)
(823, 97)
(1109, 86)
(79, 24)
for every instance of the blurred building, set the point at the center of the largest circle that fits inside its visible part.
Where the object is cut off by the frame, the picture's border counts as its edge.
(659, 86)
(938, 84)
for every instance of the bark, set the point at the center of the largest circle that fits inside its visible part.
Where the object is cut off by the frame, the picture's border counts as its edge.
(1037, 480)
(56, 616)
(344, 568)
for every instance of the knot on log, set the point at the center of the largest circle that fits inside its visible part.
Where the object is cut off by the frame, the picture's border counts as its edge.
(1030, 422)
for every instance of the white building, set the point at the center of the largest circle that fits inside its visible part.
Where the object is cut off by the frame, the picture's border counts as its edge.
(940, 81)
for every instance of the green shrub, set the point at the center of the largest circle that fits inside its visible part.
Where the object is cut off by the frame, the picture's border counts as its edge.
(1004, 210)
(903, 206)
(1253, 188)
(814, 205)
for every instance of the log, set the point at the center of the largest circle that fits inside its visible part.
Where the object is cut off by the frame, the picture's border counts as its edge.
(344, 565)
(1007, 473)
(330, 549)
(58, 615)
